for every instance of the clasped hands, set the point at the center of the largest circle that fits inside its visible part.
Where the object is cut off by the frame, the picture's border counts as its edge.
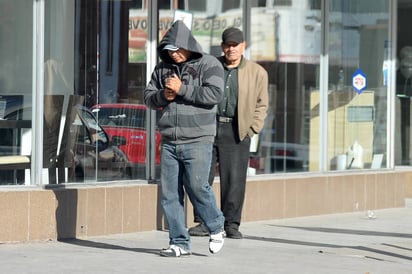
(172, 87)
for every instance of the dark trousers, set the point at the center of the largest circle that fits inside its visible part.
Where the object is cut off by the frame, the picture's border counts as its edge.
(233, 158)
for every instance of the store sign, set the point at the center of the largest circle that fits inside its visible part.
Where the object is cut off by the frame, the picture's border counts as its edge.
(359, 81)
(208, 32)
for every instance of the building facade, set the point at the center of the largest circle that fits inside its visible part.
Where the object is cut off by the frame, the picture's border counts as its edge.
(80, 152)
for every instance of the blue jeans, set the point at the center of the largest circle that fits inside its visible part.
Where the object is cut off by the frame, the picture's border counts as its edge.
(185, 168)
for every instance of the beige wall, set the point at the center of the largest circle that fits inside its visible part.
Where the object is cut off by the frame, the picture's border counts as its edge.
(48, 214)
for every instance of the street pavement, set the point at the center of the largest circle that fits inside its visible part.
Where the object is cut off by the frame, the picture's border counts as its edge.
(359, 242)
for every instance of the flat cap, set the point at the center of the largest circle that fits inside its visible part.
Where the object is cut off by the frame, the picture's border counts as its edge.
(232, 35)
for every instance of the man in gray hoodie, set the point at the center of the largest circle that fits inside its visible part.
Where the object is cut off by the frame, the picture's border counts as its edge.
(186, 86)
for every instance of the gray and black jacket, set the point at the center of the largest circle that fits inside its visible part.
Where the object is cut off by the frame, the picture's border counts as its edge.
(191, 117)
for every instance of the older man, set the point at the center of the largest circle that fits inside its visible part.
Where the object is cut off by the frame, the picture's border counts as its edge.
(240, 115)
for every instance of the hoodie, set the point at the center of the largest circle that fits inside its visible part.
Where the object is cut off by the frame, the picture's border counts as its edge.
(191, 117)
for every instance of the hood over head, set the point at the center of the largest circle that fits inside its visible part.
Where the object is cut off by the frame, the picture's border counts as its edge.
(180, 37)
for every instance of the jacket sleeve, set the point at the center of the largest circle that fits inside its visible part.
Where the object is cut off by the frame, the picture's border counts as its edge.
(153, 93)
(261, 102)
(210, 92)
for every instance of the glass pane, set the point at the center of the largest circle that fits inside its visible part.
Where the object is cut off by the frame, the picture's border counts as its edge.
(15, 90)
(131, 108)
(286, 41)
(403, 144)
(118, 76)
(209, 23)
(95, 59)
(357, 96)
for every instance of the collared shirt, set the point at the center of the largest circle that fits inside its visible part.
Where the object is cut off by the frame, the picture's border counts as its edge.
(228, 106)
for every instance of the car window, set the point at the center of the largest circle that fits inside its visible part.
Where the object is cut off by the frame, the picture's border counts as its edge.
(97, 133)
(122, 117)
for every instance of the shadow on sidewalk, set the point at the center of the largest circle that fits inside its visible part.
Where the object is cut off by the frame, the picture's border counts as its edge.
(92, 244)
(100, 245)
(337, 246)
(351, 231)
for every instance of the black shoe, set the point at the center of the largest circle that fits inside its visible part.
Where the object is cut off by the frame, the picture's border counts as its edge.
(199, 230)
(233, 233)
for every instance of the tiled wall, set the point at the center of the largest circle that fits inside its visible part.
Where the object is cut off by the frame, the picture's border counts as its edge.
(49, 214)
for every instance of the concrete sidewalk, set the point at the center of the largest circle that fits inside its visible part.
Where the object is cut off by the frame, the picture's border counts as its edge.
(338, 243)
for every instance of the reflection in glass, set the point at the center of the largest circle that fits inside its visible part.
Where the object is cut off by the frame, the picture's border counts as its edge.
(16, 57)
(95, 156)
(357, 115)
(287, 42)
(129, 122)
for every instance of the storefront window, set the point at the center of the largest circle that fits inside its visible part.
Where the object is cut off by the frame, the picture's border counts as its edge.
(16, 55)
(358, 48)
(286, 40)
(403, 102)
(95, 123)
(95, 74)
(95, 68)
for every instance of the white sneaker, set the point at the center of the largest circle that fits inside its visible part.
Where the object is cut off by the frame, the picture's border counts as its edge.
(174, 251)
(216, 242)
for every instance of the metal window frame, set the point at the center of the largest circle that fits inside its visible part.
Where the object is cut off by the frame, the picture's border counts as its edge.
(36, 177)
(151, 46)
(324, 76)
(391, 87)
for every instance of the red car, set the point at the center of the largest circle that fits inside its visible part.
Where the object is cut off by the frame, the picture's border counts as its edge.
(128, 121)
